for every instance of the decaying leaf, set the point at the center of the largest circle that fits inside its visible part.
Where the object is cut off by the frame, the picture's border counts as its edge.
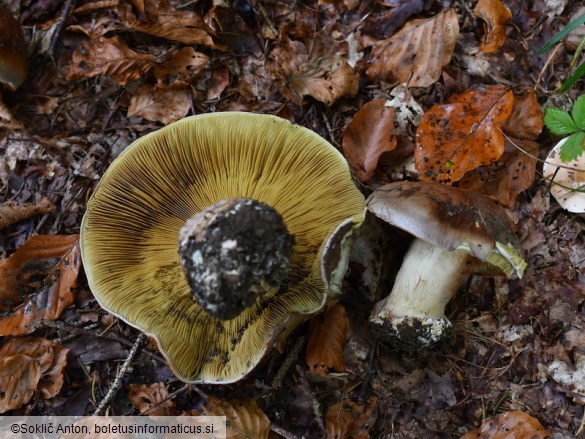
(417, 53)
(30, 364)
(527, 118)
(327, 336)
(349, 420)
(244, 418)
(110, 57)
(509, 425)
(164, 105)
(231, 29)
(462, 135)
(496, 15)
(151, 398)
(36, 282)
(323, 74)
(181, 69)
(507, 177)
(368, 135)
(11, 212)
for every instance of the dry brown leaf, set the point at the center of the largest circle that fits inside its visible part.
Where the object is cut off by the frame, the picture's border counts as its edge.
(244, 418)
(11, 212)
(36, 282)
(349, 420)
(228, 27)
(327, 336)
(181, 69)
(110, 57)
(7, 120)
(509, 425)
(496, 15)
(164, 105)
(509, 176)
(46, 376)
(417, 53)
(368, 135)
(299, 73)
(527, 118)
(462, 135)
(151, 398)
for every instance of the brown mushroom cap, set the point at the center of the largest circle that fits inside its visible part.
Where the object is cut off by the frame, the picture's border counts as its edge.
(13, 61)
(451, 218)
(130, 232)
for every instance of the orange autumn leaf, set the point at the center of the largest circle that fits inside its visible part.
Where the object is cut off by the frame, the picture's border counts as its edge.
(164, 105)
(507, 177)
(496, 15)
(36, 282)
(182, 68)
(527, 118)
(245, 419)
(327, 336)
(514, 424)
(417, 53)
(349, 420)
(368, 135)
(30, 364)
(151, 398)
(462, 135)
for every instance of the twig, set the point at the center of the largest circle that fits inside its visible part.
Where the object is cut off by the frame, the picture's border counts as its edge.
(284, 433)
(168, 398)
(316, 405)
(65, 12)
(287, 363)
(118, 381)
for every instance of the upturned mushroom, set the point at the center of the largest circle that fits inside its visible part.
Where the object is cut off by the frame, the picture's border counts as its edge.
(217, 234)
(13, 61)
(452, 227)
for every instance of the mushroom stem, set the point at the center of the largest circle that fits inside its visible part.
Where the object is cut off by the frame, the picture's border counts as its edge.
(414, 312)
(234, 252)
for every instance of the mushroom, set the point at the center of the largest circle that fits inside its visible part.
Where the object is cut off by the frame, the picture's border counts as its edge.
(452, 228)
(13, 62)
(218, 234)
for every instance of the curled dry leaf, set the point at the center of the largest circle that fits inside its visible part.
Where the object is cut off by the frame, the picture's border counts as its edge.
(462, 135)
(181, 69)
(110, 57)
(368, 135)
(417, 53)
(11, 212)
(349, 420)
(36, 282)
(151, 398)
(496, 15)
(527, 118)
(509, 425)
(507, 177)
(164, 105)
(319, 74)
(31, 364)
(327, 336)
(244, 418)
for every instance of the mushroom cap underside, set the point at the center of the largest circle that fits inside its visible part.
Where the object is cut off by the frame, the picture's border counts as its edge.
(130, 232)
(451, 218)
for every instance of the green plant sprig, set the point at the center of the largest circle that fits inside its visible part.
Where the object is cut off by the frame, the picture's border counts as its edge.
(561, 123)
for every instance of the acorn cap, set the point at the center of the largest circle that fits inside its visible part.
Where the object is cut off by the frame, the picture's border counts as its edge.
(13, 61)
(451, 218)
(130, 233)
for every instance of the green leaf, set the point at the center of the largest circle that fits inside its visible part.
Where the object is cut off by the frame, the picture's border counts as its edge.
(578, 112)
(562, 34)
(573, 147)
(559, 121)
(577, 74)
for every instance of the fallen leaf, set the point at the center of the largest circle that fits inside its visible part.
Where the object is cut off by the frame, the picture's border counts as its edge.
(496, 15)
(36, 282)
(326, 341)
(19, 376)
(417, 53)
(367, 136)
(509, 425)
(181, 69)
(164, 105)
(110, 57)
(349, 420)
(231, 30)
(319, 74)
(11, 212)
(527, 118)
(244, 418)
(507, 177)
(462, 135)
(151, 398)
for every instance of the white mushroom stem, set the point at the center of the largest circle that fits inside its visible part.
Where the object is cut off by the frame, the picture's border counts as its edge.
(414, 312)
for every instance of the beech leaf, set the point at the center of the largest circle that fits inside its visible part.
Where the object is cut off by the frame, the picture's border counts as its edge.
(164, 105)
(245, 419)
(326, 342)
(368, 135)
(514, 424)
(496, 15)
(462, 135)
(417, 53)
(526, 120)
(151, 398)
(181, 69)
(349, 420)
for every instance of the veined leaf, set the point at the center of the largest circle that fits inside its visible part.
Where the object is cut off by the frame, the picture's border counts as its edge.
(573, 147)
(578, 112)
(559, 121)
